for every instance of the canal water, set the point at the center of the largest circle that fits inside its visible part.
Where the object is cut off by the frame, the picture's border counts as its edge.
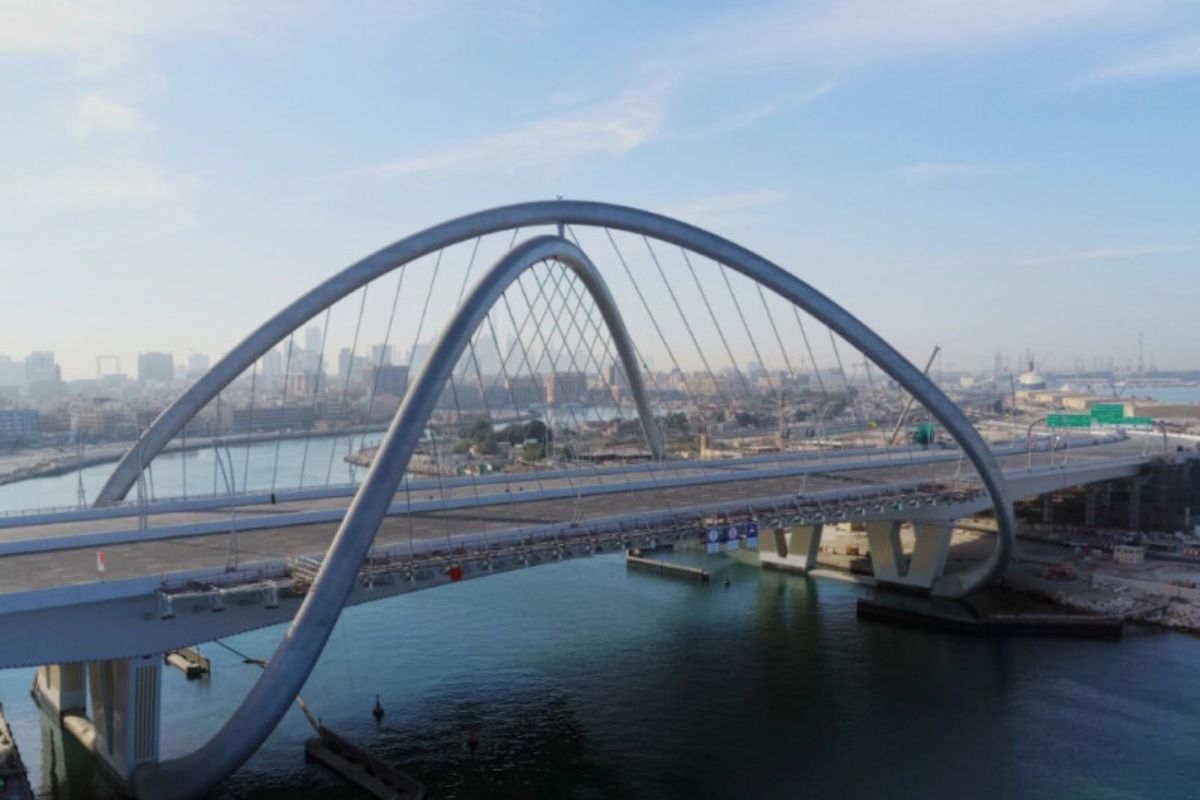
(585, 680)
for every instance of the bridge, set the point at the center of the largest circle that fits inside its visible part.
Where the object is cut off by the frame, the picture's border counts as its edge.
(621, 456)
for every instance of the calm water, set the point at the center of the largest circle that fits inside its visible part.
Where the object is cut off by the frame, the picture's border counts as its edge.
(198, 472)
(1167, 394)
(584, 680)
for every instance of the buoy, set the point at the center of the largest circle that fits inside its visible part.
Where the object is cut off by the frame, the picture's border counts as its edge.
(377, 711)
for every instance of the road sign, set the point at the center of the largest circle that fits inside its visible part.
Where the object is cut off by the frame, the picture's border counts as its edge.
(1069, 420)
(1108, 412)
(714, 540)
(752, 535)
(731, 538)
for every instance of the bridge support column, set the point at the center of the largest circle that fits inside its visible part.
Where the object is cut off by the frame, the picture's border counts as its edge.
(794, 549)
(1135, 504)
(1091, 499)
(930, 552)
(887, 554)
(126, 705)
(59, 688)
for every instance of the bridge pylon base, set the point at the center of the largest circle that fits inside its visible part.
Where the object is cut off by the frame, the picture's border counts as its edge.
(918, 572)
(126, 709)
(791, 549)
(59, 688)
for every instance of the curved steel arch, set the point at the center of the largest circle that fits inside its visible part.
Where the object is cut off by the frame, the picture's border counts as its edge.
(565, 212)
(278, 685)
(288, 669)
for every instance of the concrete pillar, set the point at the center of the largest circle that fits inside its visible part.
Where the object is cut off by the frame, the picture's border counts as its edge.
(1048, 508)
(126, 704)
(887, 554)
(930, 553)
(794, 549)
(1091, 498)
(59, 688)
(803, 542)
(1135, 504)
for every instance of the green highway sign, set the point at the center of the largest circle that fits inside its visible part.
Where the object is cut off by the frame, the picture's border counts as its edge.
(1102, 414)
(1108, 412)
(1069, 420)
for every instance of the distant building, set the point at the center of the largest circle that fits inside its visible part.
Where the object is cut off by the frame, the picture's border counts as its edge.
(158, 367)
(12, 373)
(272, 364)
(246, 420)
(19, 426)
(197, 365)
(525, 391)
(41, 368)
(566, 387)
(381, 354)
(387, 379)
(43, 378)
(312, 339)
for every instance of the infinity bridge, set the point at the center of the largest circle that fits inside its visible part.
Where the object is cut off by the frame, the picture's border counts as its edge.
(482, 457)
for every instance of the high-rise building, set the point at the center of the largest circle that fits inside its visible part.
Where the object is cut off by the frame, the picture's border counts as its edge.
(12, 373)
(381, 354)
(272, 364)
(419, 353)
(197, 364)
(312, 339)
(159, 367)
(40, 368)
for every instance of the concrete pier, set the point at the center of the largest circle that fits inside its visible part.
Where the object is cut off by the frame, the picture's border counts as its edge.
(665, 568)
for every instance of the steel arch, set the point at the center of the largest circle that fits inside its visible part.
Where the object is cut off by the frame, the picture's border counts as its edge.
(297, 654)
(577, 212)
(278, 685)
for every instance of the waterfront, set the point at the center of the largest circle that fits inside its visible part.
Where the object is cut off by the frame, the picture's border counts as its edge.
(584, 680)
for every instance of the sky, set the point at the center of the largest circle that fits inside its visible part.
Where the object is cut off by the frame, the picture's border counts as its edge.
(990, 177)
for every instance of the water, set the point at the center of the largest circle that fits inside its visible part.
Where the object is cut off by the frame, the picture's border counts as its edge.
(198, 472)
(1167, 394)
(582, 679)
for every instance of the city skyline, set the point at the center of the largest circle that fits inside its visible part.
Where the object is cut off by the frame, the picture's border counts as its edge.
(1016, 180)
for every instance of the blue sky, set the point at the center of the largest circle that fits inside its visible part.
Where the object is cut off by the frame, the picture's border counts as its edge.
(984, 176)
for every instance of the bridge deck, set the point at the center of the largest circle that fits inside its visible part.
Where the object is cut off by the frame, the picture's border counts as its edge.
(502, 512)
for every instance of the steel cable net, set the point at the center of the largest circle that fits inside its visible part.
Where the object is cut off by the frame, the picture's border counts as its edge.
(733, 372)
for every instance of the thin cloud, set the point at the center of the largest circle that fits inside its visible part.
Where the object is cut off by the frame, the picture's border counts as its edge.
(849, 34)
(609, 129)
(1104, 254)
(940, 170)
(752, 115)
(98, 115)
(1174, 58)
(728, 209)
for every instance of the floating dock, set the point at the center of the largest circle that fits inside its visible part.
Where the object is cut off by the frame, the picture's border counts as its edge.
(14, 780)
(361, 768)
(1077, 626)
(635, 560)
(189, 661)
